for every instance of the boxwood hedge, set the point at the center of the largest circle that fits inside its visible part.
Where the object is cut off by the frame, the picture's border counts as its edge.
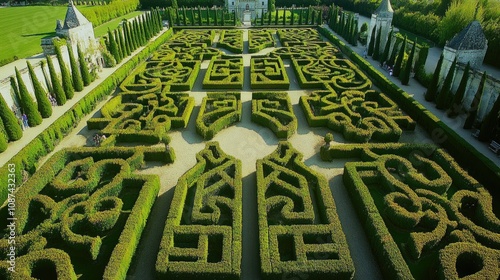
(218, 111)
(274, 110)
(224, 72)
(268, 73)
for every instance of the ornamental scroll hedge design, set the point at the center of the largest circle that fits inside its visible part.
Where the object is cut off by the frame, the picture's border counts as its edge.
(203, 232)
(268, 73)
(83, 208)
(259, 40)
(274, 110)
(360, 116)
(423, 214)
(231, 40)
(299, 230)
(224, 72)
(218, 111)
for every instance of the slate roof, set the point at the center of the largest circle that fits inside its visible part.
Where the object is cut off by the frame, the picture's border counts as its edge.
(73, 17)
(385, 9)
(470, 38)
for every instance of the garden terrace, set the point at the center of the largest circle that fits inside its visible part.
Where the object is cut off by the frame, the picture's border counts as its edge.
(299, 231)
(360, 116)
(84, 208)
(218, 111)
(259, 40)
(422, 212)
(268, 73)
(231, 40)
(224, 72)
(202, 236)
(274, 110)
(298, 35)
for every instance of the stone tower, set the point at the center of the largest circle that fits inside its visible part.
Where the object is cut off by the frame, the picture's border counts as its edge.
(382, 17)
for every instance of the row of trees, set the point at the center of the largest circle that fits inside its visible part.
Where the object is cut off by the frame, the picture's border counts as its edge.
(292, 16)
(61, 90)
(200, 16)
(103, 13)
(344, 24)
(123, 41)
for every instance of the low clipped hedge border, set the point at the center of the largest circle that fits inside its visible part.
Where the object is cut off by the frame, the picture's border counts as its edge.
(44, 143)
(225, 72)
(297, 242)
(187, 234)
(231, 40)
(56, 173)
(268, 73)
(227, 110)
(478, 166)
(274, 110)
(259, 40)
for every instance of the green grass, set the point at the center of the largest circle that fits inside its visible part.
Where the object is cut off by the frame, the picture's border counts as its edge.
(24, 27)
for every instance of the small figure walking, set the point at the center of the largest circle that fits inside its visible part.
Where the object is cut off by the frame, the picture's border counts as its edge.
(25, 121)
(365, 54)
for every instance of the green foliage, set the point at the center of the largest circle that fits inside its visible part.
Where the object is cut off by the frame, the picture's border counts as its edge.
(432, 89)
(28, 106)
(75, 72)
(113, 46)
(459, 15)
(268, 73)
(385, 54)
(3, 142)
(274, 110)
(198, 242)
(444, 98)
(376, 49)
(15, 89)
(218, 111)
(456, 103)
(371, 45)
(405, 74)
(490, 122)
(231, 40)
(67, 82)
(59, 94)
(224, 72)
(10, 122)
(42, 100)
(84, 69)
(299, 230)
(100, 14)
(399, 60)
(259, 40)
(474, 106)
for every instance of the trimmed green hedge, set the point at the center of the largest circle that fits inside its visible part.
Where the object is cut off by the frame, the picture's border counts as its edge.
(231, 40)
(218, 111)
(203, 232)
(268, 73)
(224, 72)
(413, 201)
(259, 40)
(298, 234)
(87, 201)
(274, 110)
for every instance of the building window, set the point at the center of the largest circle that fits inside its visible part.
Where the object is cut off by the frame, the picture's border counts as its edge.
(262, 3)
(232, 3)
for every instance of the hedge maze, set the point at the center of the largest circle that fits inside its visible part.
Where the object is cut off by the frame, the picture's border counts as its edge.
(268, 73)
(218, 111)
(298, 35)
(299, 231)
(224, 72)
(84, 208)
(423, 214)
(360, 116)
(202, 236)
(231, 40)
(259, 40)
(274, 110)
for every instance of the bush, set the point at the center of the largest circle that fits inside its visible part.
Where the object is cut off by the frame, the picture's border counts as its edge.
(28, 106)
(231, 40)
(218, 111)
(224, 73)
(274, 110)
(259, 40)
(10, 123)
(268, 73)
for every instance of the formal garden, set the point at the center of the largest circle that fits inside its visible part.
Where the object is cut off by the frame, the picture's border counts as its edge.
(224, 154)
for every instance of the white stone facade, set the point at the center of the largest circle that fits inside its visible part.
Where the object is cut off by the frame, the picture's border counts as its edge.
(381, 18)
(256, 7)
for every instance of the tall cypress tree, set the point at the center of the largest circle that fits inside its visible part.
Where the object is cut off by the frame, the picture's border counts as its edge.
(376, 50)
(56, 84)
(292, 17)
(192, 16)
(399, 60)
(44, 106)
(222, 18)
(144, 28)
(371, 45)
(123, 42)
(119, 45)
(10, 121)
(471, 118)
(490, 122)
(216, 18)
(135, 34)
(127, 37)
(3, 142)
(208, 16)
(67, 82)
(27, 103)
(443, 98)
(276, 17)
(301, 11)
(113, 46)
(46, 77)
(84, 69)
(284, 16)
(13, 84)
(456, 104)
(430, 94)
(75, 72)
(405, 75)
(184, 16)
(385, 54)
(313, 16)
(394, 51)
(199, 16)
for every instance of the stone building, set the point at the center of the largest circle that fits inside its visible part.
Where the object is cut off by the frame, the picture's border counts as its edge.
(247, 10)
(382, 18)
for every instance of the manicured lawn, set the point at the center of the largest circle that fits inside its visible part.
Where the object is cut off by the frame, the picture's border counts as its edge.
(103, 28)
(24, 27)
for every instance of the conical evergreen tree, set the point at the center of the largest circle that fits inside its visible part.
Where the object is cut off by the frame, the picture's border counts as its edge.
(192, 16)
(216, 17)
(292, 16)
(430, 94)
(27, 103)
(443, 98)
(471, 118)
(65, 76)
(399, 60)
(208, 16)
(14, 87)
(84, 70)
(10, 121)
(123, 43)
(490, 122)
(46, 77)
(56, 84)
(376, 49)
(456, 104)
(75, 72)
(127, 37)
(3, 142)
(184, 18)
(405, 75)
(174, 4)
(269, 17)
(276, 17)
(371, 45)
(118, 43)
(199, 16)
(284, 16)
(394, 52)
(385, 54)
(145, 35)
(44, 106)
(222, 18)
(113, 46)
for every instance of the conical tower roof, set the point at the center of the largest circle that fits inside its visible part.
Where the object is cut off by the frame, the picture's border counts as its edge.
(470, 38)
(73, 17)
(385, 9)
